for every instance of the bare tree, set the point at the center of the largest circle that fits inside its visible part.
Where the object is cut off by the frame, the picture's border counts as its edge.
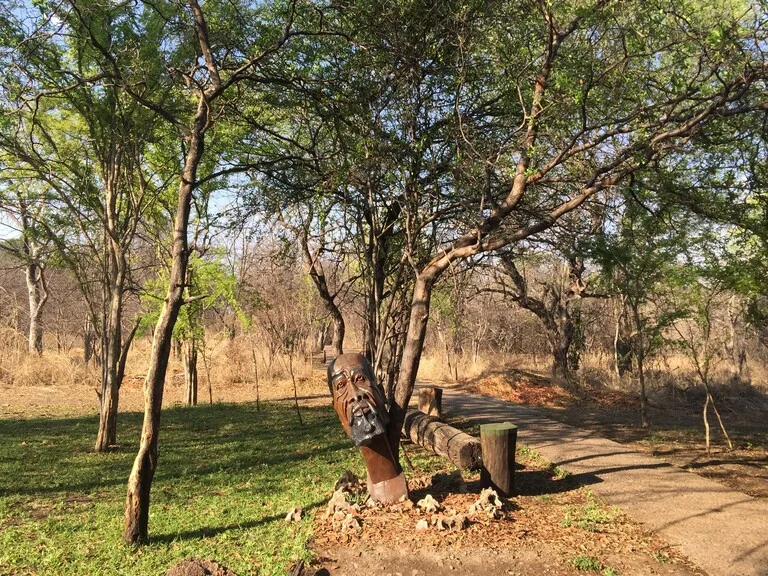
(26, 210)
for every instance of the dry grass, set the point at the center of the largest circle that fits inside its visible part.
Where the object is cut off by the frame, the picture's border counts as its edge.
(59, 382)
(232, 367)
(667, 377)
(20, 369)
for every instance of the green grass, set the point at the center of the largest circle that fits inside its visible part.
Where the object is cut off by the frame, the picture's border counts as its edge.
(226, 477)
(584, 562)
(590, 517)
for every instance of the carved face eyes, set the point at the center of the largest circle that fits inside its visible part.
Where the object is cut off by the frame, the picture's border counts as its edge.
(339, 381)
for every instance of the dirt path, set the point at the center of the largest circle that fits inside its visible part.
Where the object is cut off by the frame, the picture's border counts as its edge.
(722, 531)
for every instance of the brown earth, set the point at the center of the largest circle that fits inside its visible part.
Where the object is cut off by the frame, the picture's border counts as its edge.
(551, 526)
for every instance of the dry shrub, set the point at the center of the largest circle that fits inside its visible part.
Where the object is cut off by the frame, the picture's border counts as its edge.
(11, 352)
(50, 369)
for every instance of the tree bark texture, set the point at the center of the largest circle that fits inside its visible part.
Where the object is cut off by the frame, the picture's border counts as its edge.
(34, 275)
(38, 296)
(409, 365)
(190, 371)
(112, 348)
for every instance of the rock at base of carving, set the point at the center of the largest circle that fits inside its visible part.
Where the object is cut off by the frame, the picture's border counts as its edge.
(337, 503)
(429, 504)
(489, 502)
(198, 567)
(452, 522)
(350, 524)
(348, 482)
(389, 491)
(422, 525)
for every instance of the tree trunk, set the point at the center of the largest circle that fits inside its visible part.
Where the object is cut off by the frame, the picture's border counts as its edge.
(409, 365)
(190, 371)
(735, 347)
(561, 339)
(622, 345)
(110, 395)
(177, 348)
(89, 342)
(207, 374)
(38, 296)
(320, 335)
(339, 330)
(140, 481)
(560, 372)
(640, 356)
(111, 376)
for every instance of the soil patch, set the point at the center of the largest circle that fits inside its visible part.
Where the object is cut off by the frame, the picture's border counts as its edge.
(551, 526)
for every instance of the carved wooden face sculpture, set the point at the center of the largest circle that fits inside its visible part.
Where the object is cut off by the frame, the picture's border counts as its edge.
(357, 398)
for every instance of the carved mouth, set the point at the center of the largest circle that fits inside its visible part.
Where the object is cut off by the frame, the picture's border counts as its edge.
(365, 423)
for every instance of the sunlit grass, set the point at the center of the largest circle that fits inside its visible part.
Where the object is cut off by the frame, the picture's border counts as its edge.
(226, 477)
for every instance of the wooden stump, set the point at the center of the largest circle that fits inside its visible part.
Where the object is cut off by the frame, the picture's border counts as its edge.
(498, 443)
(442, 439)
(431, 401)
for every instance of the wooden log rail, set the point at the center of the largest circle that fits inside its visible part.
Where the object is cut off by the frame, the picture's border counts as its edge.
(446, 441)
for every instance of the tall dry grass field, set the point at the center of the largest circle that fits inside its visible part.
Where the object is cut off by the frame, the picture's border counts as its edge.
(228, 368)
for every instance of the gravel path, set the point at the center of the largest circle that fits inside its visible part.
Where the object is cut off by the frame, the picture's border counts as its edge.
(722, 531)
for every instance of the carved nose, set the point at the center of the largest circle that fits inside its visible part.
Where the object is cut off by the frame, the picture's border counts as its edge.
(357, 394)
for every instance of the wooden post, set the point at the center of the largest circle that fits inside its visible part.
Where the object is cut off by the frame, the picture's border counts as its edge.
(431, 401)
(498, 443)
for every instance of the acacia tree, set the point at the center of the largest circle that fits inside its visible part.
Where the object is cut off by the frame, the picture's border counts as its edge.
(74, 129)
(207, 75)
(604, 92)
(697, 294)
(381, 147)
(556, 304)
(637, 260)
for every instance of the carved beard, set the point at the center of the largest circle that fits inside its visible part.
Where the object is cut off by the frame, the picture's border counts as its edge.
(357, 398)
